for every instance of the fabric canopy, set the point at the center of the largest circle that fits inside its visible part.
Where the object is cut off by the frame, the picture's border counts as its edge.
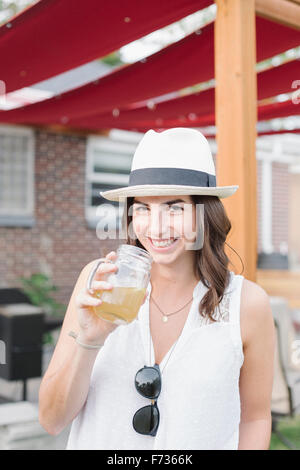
(190, 119)
(177, 66)
(54, 36)
(284, 131)
(271, 82)
(260, 133)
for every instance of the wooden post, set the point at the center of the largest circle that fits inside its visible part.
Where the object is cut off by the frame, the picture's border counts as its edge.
(236, 117)
(282, 11)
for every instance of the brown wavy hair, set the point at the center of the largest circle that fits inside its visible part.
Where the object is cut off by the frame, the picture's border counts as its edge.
(211, 262)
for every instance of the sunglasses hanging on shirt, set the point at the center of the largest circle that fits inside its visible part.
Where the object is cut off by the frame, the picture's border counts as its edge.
(148, 383)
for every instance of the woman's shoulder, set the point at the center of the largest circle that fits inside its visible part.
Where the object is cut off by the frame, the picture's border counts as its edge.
(253, 297)
(255, 311)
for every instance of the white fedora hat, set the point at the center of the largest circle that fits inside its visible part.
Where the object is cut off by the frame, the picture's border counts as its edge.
(177, 161)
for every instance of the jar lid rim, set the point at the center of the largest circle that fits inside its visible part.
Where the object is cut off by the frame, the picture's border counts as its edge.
(136, 250)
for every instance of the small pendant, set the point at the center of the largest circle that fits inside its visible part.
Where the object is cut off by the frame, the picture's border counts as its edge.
(164, 318)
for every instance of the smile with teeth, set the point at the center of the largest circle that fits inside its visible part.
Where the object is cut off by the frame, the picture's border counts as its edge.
(163, 243)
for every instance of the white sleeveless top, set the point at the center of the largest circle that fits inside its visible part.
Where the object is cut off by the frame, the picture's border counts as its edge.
(199, 403)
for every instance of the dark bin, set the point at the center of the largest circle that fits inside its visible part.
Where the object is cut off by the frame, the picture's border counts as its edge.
(272, 261)
(22, 336)
(21, 330)
(22, 327)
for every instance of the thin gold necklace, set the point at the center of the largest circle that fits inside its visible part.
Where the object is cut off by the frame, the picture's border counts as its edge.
(165, 316)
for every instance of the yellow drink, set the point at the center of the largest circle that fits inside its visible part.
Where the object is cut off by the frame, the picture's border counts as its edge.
(120, 303)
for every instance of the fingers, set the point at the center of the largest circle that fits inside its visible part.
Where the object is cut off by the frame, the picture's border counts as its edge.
(85, 300)
(100, 285)
(111, 256)
(106, 267)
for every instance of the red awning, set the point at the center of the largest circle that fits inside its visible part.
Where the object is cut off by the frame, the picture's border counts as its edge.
(54, 36)
(177, 66)
(191, 107)
(259, 133)
(265, 112)
(285, 131)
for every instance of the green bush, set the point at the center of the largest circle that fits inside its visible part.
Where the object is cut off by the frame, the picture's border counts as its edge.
(39, 288)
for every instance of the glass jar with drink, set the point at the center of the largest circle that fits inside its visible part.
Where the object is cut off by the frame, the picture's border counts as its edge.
(121, 304)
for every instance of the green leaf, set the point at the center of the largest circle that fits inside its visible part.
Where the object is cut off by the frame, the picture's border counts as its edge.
(39, 288)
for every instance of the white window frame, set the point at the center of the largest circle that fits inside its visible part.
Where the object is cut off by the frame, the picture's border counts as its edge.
(119, 146)
(21, 217)
(269, 149)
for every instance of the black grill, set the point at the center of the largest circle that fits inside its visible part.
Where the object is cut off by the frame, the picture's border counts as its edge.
(22, 335)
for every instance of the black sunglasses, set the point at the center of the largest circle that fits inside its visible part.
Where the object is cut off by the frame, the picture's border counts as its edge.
(148, 384)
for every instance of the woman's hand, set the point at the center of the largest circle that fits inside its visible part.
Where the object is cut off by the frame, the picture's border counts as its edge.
(92, 329)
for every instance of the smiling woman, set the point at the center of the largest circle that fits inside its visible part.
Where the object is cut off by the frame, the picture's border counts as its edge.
(203, 338)
(151, 220)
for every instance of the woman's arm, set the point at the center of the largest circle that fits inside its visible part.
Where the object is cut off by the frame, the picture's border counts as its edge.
(256, 378)
(65, 385)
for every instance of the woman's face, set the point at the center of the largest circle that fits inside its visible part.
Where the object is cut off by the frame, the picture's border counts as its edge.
(164, 225)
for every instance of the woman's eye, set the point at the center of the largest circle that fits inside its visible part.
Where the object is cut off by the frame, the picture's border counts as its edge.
(176, 208)
(140, 208)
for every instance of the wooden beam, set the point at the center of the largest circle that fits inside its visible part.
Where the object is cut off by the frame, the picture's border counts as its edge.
(281, 11)
(282, 283)
(60, 129)
(236, 117)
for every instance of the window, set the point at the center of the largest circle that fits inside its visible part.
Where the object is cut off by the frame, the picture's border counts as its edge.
(108, 167)
(16, 176)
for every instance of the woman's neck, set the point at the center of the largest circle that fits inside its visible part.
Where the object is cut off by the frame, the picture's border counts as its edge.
(166, 280)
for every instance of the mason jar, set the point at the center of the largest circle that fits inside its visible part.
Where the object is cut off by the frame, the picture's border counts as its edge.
(121, 304)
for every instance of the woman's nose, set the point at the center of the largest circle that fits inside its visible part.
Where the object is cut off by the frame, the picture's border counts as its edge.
(159, 222)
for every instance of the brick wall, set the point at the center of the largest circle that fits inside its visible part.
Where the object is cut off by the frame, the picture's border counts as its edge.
(258, 202)
(280, 212)
(60, 244)
(294, 219)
